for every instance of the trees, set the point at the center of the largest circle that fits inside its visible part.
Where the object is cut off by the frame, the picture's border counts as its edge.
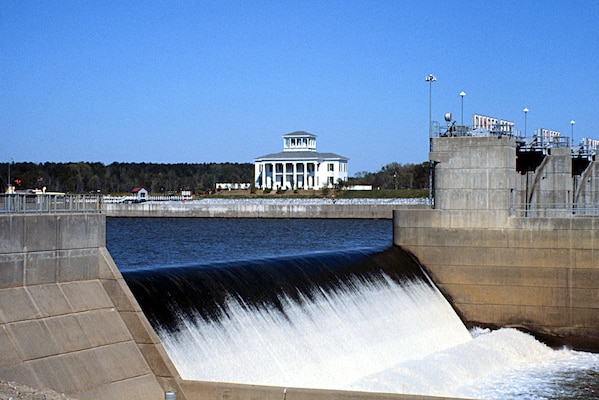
(82, 177)
(395, 176)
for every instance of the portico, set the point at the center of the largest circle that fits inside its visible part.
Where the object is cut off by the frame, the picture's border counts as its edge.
(299, 165)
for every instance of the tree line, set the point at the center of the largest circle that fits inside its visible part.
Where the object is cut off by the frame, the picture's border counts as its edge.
(85, 177)
(395, 176)
(95, 177)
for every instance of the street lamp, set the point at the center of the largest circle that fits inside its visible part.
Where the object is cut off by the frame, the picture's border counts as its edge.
(525, 112)
(9, 179)
(572, 122)
(462, 94)
(430, 79)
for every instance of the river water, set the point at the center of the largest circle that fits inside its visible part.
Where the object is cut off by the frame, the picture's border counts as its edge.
(323, 304)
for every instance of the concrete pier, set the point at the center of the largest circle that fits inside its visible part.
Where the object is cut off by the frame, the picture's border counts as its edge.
(506, 243)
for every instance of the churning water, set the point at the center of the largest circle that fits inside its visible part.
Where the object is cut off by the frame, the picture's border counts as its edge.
(324, 304)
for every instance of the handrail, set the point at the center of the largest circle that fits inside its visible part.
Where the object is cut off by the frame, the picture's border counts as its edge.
(50, 203)
(556, 210)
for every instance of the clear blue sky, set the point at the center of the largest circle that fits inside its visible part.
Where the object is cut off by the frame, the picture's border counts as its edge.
(217, 81)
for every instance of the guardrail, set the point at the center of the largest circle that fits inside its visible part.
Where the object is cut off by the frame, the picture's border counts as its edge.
(50, 203)
(557, 210)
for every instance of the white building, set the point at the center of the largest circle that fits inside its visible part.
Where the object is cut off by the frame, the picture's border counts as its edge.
(299, 165)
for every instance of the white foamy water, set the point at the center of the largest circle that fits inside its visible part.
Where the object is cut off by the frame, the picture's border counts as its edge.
(326, 343)
(382, 337)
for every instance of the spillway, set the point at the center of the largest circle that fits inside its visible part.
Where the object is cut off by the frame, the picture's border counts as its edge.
(324, 320)
(365, 320)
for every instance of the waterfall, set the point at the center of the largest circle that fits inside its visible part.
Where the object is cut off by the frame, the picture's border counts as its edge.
(367, 320)
(320, 321)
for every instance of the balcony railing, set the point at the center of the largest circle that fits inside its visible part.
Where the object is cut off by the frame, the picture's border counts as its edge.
(50, 203)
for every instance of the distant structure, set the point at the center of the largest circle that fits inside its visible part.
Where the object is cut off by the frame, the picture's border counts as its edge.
(140, 193)
(299, 165)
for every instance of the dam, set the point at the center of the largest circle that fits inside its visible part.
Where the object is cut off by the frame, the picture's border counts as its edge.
(511, 238)
(71, 323)
(509, 241)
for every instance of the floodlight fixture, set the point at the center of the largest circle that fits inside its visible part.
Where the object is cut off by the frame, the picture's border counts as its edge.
(525, 112)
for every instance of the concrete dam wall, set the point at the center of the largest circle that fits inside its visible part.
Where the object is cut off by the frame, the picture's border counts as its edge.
(506, 242)
(70, 323)
(267, 208)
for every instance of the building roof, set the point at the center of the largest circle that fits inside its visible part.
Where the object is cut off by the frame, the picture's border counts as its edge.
(301, 155)
(300, 133)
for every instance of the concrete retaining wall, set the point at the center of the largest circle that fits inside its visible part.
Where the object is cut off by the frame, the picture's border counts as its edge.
(540, 274)
(69, 322)
(259, 209)
(220, 391)
(500, 268)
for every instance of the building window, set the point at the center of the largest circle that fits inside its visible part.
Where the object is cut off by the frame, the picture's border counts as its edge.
(331, 167)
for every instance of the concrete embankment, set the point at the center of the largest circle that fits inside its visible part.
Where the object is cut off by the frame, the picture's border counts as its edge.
(267, 208)
(70, 323)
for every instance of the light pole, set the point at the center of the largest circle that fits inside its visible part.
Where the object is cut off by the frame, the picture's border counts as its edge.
(9, 182)
(525, 112)
(430, 79)
(572, 122)
(462, 94)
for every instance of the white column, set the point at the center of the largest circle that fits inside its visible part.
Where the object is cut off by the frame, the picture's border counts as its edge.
(305, 181)
(294, 175)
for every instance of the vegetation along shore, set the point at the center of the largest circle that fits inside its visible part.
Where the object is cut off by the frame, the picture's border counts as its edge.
(94, 177)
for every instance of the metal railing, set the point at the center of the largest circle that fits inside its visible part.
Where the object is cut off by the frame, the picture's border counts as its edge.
(50, 203)
(557, 210)
(467, 130)
(526, 143)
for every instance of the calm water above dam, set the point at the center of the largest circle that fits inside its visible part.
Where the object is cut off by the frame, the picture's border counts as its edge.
(325, 304)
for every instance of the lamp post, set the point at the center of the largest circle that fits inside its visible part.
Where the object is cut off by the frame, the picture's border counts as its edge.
(430, 79)
(8, 188)
(572, 122)
(525, 112)
(462, 94)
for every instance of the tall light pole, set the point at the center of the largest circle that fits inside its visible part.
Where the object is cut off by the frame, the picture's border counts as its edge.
(572, 122)
(9, 181)
(525, 112)
(430, 79)
(462, 94)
